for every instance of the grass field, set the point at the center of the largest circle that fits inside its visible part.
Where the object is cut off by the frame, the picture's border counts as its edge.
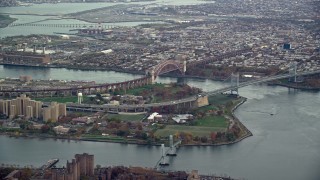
(206, 108)
(127, 117)
(212, 121)
(220, 99)
(60, 99)
(194, 130)
(138, 91)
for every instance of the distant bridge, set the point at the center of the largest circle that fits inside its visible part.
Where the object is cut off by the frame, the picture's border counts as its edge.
(103, 26)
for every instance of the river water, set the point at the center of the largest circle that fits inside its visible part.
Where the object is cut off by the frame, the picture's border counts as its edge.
(59, 9)
(285, 145)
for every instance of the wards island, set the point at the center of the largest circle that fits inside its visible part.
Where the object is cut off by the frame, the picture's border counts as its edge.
(144, 115)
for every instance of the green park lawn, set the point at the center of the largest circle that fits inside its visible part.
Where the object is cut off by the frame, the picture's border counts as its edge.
(212, 121)
(139, 90)
(220, 99)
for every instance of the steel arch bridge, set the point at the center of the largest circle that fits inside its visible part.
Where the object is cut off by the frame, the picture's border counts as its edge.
(165, 67)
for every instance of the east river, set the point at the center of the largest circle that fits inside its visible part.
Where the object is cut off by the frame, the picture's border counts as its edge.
(285, 145)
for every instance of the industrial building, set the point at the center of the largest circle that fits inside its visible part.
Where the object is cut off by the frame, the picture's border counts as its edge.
(25, 58)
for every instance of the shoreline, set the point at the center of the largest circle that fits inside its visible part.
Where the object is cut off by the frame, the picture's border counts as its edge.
(246, 135)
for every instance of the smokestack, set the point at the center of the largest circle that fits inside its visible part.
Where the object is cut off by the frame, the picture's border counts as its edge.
(17, 46)
(34, 49)
(44, 49)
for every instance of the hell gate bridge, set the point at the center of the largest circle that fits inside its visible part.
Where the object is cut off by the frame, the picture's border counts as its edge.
(149, 78)
(166, 67)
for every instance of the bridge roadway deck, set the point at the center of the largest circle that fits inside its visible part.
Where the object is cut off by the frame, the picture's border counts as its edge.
(74, 88)
(192, 98)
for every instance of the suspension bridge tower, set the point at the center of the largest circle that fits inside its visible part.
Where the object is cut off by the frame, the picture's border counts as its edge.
(235, 83)
(293, 71)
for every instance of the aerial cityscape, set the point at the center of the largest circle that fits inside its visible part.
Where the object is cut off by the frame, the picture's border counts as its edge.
(151, 89)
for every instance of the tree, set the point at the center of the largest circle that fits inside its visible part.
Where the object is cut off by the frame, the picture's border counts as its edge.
(186, 137)
(26, 174)
(230, 136)
(204, 139)
(22, 126)
(45, 128)
(123, 130)
(140, 126)
(213, 136)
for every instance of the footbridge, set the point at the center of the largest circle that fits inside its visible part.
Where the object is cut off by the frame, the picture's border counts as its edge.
(167, 151)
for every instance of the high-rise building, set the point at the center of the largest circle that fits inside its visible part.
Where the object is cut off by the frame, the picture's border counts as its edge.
(29, 112)
(62, 109)
(54, 106)
(21, 106)
(24, 106)
(13, 111)
(82, 165)
(54, 111)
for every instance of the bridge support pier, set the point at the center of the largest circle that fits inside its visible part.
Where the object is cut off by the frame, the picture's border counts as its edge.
(163, 156)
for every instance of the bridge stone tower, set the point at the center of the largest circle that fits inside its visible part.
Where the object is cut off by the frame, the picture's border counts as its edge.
(293, 71)
(234, 83)
(153, 78)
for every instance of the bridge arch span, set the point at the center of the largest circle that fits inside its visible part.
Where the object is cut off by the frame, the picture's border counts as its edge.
(165, 67)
